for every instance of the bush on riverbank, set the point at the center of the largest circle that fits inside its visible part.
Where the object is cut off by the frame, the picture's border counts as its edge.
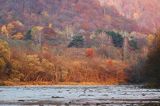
(152, 66)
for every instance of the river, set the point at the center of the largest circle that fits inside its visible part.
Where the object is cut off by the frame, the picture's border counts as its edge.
(115, 95)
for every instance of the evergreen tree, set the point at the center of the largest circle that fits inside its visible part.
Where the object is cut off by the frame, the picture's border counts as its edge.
(117, 39)
(28, 35)
(77, 41)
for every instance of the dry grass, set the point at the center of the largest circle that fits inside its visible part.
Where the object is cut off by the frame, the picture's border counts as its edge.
(11, 83)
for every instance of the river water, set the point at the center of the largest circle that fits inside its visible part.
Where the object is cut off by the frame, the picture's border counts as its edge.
(116, 95)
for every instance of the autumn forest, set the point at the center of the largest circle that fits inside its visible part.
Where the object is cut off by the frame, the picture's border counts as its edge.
(81, 42)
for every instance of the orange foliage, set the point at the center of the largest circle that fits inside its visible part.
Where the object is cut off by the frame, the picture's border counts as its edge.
(68, 66)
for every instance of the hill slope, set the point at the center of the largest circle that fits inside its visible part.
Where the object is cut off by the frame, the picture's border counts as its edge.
(81, 14)
(144, 12)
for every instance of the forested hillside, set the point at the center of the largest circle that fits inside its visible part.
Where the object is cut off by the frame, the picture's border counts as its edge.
(70, 42)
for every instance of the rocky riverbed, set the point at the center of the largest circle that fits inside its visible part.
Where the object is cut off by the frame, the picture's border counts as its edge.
(115, 95)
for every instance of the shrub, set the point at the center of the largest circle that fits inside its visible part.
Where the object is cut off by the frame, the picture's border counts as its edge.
(152, 66)
(5, 65)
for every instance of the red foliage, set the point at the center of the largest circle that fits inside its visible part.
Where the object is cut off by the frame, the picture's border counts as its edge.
(110, 62)
(89, 52)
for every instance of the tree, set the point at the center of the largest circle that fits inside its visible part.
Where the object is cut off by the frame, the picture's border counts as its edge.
(28, 35)
(150, 39)
(5, 65)
(152, 66)
(33, 68)
(18, 36)
(12, 28)
(36, 33)
(4, 31)
(117, 39)
(77, 41)
(133, 43)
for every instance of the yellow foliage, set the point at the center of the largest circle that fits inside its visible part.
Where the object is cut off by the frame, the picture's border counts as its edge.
(2, 65)
(4, 30)
(32, 63)
(37, 28)
(10, 26)
(136, 15)
(36, 32)
(18, 36)
(64, 68)
(4, 54)
(17, 22)
(150, 39)
(50, 25)
(45, 13)
(48, 66)
(4, 49)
